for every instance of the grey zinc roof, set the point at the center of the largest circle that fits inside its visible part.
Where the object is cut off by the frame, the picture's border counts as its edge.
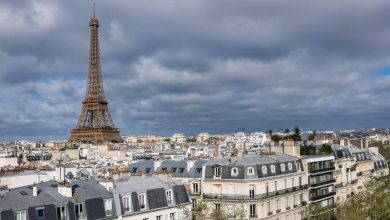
(46, 195)
(178, 168)
(142, 165)
(127, 185)
(90, 189)
(251, 160)
(196, 170)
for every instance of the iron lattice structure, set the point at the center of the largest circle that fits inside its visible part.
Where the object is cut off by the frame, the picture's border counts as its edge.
(95, 124)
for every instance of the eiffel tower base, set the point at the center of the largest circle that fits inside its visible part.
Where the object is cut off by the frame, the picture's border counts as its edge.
(95, 136)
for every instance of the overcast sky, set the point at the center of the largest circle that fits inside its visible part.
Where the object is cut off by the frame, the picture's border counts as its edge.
(191, 66)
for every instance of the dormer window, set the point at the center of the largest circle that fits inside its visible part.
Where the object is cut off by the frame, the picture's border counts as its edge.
(298, 166)
(290, 166)
(126, 201)
(282, 167)
(142, 201)
(251, 171)
(173, 170)
(217, 171)
(272, 168)
(169, 196)
(264, 170)
(234, 171)
(22, 215)
(198, 170)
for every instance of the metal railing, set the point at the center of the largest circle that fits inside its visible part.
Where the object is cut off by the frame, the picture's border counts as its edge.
(253, 196)
(322, 183)
(317, 197)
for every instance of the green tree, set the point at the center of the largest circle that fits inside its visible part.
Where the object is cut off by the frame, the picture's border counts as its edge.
(297, 134)
(373, 202)
(312, 136)
(326, 149)
(276, 138)
(167, 140)
(315, 212)
(308, 149)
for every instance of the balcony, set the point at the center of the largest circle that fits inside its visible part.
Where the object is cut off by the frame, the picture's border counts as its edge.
(338, 185)
(319, 170)
(194, 193)
(359, 173)
(317, 197)
(270, 213)
(253, 216)
(278, 210)
(322, 183)
(303, 203)
(288, 208)
(353, 182)
(253, 196)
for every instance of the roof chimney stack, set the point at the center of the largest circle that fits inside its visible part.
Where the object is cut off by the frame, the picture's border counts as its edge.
(35, 190)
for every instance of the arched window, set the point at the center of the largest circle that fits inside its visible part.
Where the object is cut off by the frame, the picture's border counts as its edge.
(289, 166)
(251, 171)
(273, 168)
(264, 170)
(234, 171)
(282, 167)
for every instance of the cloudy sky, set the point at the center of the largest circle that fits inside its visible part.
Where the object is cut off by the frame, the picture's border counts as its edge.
(191, 66)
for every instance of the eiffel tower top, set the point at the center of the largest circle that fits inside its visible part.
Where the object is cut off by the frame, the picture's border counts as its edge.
(95, 90)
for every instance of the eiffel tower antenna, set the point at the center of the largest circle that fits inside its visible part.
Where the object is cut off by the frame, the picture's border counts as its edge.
(94, 8)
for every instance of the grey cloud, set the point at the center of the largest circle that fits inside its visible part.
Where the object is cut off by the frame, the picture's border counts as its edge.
(194, 66)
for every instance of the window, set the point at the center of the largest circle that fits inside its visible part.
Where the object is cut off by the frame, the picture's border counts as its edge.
(181, 170)
(198, 170)
(169, 196)
(126, 200)
(264, 170)
(287, 202)
(273, 168)
(217, 171)
(285, 183)
(251, 191)
(195, 188)
(142, 201)
(40, 212)
(300, 181)
(79, 210)
(134, 169)
(252, 211)
(295, 200)
(173, 170)
(193, 203)
(292, 182)
(276, 185)
(301, 197)
(61, 212)
(145, 219)
(266, 188)
(21, 215)
(290, 166)
(282, 167)
(159, 217)
(251, 171)
(172, 216)
(108, 206)
(234, 171)
(269, 207)
(277, 204)
(217, 206)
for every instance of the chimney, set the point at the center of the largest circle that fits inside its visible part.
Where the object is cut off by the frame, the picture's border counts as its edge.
(35, 190)
(65, 189)
(233, 157)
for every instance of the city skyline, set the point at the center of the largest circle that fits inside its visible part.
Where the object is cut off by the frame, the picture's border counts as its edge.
(196, 66)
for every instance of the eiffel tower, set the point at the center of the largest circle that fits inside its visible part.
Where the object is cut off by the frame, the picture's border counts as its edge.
(95, 124)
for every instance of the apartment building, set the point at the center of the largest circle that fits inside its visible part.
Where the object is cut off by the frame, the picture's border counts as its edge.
(262, 186)
(321, 179)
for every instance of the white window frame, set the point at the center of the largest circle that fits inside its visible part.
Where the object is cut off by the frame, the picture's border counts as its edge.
(282, 167)
(217, 171)
(169, 194)
(195, 187)
(264, 170)
(251, 171)
(140, 197)
(21, 215)
(298, 165)
(234, 171)
(272, 168)
(82, 213)
(63, 212)
(126, 201)
(290, 166)
(108, 207)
